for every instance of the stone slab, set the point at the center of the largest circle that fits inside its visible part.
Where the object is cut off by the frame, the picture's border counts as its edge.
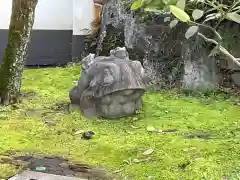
(31, 175)
(236, 78)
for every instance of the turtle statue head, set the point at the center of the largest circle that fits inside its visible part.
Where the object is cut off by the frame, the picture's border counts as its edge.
(119, 52)
(88, 61)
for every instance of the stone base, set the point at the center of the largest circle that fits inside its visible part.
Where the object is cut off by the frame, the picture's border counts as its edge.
(28, 175)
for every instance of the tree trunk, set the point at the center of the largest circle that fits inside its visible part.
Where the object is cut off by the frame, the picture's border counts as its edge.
(11, 69)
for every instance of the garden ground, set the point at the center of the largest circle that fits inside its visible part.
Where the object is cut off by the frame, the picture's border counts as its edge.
(205, 144)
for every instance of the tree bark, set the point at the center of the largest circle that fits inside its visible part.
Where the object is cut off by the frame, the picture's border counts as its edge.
(11, 69)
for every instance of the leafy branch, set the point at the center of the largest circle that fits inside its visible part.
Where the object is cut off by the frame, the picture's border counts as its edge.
(217, 11)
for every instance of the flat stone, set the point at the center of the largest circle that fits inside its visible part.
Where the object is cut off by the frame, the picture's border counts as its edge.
(236, 78)
(31, 175)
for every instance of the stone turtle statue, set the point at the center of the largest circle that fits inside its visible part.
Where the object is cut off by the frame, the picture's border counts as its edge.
(109, 87)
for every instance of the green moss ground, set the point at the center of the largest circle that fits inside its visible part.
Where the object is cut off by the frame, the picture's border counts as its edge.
(24, 130)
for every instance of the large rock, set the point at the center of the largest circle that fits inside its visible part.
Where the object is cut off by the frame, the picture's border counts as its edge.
(169, 59)
(109, 87)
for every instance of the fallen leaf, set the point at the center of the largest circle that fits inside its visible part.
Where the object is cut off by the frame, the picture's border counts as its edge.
(148, 152)
(134, 127)
(141, 160)
(195, 156)
(129, 132)
(136, 160)
(189, 149)
(79, 132)
(150, 129)
(118, 171)
(135, 119)
(159, 131)
(129, 161)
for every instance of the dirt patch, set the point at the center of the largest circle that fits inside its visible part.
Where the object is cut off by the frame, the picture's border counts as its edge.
(35, 112)
(47, 115)
(58, 166)
(61, 107)
(28, 94)
(199, 135)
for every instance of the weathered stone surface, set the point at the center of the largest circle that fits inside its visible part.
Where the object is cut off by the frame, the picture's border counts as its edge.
(27, 175)
(201, 72)
(109, 87)
(236, 78)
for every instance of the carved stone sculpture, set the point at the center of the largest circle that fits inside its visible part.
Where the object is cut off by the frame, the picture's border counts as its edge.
(109, 87)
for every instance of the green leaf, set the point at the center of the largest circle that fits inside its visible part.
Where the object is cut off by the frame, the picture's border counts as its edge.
(197, 14)
(136, 5)
(146, 1)
(154, 6)
(179, 13)
(173, 23)
(170, 2)
(154, 10)
(181, 4)
(234, 17)
(191, 31)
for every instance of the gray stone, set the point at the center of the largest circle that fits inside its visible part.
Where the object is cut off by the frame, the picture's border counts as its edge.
(27, 175)
(201, 72)
(64, 165)
(109, 87)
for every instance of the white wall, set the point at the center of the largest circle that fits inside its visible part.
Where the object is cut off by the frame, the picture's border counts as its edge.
(54, 15)
(83, 15)
(75, 15)
(5, 13)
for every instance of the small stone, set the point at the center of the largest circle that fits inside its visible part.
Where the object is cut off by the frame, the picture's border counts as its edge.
(87, 135)
(64, 165)
(40, 168)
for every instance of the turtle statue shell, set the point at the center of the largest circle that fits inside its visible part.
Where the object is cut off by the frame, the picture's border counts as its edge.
(109, 87)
